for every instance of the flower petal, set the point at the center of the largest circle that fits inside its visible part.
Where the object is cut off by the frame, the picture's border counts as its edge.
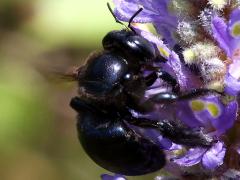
(155, 12)
(227, 117)
(192, 157)
(208, 112)
(125, 10)
(214, 156)
(173, 65)
(232, 79)
(234, 33)
(112, 177)
(232, 85)
(186, 114)
(238, 150)
(220, 33)
(234, 24)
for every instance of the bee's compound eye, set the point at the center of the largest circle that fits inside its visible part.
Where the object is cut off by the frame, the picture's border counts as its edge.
(140, 47)
(130, 44)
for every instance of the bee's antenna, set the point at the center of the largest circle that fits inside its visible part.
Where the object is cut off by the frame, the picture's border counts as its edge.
(111, 11)
(130, 20)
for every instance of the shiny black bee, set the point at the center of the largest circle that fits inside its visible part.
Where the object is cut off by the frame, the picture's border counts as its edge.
(111, 84)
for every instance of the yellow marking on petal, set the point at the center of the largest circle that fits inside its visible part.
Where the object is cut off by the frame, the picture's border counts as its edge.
(235, 30)
(179, 152)
(163, 52)
(143, 27)
(197, 105)
(213, 109)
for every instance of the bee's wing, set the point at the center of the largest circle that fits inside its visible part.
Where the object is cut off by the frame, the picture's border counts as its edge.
(71, 74)
(59, 65)
(54, 74)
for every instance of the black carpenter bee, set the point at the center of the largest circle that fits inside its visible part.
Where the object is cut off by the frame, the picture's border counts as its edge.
(111, 84)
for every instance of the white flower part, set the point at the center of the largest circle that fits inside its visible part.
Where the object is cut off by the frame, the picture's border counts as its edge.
(179, 7)
(205, 17)
(120, 178)
(200, 53)
(237, 2)
(217, 85)
(205, 51)
(231, 174)
(211, 68)
(218, 4)
(186, 31)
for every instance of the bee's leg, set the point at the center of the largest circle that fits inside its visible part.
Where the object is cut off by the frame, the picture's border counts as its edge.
(175, 131)
(80, 105)
(83, 106)
(170, 97)
(165, 76)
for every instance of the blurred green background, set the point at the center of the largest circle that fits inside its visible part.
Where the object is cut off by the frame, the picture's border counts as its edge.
(38, 137)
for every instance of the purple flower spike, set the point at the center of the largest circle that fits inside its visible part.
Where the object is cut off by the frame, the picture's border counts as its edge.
(112, 177)
(201, 49)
